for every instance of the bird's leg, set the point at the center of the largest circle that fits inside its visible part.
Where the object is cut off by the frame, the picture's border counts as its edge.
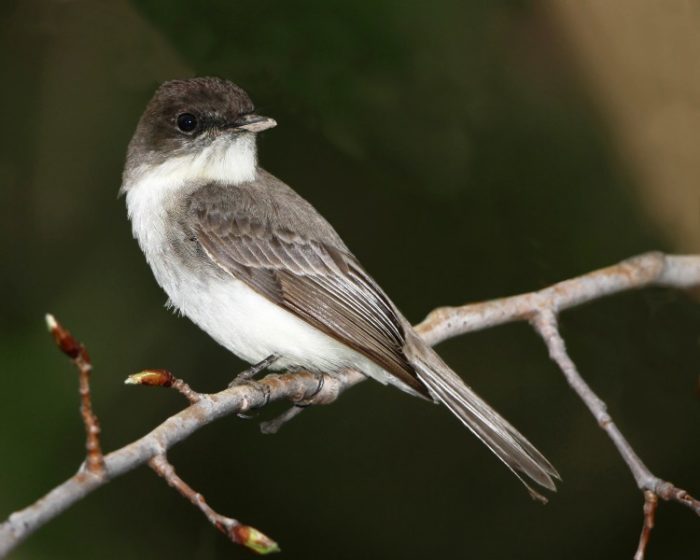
(246, 376)
(252, 371)
(273, 426)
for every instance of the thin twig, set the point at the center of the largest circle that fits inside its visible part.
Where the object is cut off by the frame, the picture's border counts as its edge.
(649, 269)
(667, 491)
(163, 378)
(94, 461)
(235, 530)
(545, 323)
(651, 501)
(273, 426)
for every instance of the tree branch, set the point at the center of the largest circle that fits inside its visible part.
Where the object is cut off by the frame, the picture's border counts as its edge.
(540, 308)
(650, 504)
(236, 531)
(78, 354)
(649, 269)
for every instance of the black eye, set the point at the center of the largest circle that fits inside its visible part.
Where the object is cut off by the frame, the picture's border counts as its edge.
(186, 122)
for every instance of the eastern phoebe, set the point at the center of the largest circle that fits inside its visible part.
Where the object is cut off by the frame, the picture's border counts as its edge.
(264, 274)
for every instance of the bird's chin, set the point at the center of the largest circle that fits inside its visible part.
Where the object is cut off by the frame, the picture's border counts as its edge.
(229, 158)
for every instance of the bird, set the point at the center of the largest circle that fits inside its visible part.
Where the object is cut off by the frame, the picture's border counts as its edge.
(258, 268)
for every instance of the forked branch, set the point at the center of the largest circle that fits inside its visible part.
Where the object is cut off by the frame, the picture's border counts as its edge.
(540, 308)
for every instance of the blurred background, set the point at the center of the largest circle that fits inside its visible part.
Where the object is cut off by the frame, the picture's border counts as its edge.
(465, 150)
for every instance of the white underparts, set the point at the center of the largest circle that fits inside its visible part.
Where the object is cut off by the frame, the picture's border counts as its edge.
(233, 314)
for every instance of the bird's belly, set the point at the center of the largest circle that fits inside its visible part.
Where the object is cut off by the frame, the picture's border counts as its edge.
(253, 328)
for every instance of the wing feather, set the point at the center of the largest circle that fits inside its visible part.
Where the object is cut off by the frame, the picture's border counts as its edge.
(308, 275)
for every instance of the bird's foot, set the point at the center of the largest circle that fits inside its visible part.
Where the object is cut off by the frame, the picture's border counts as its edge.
(308, 401)
(263, 388)
(246, 376)
(252, 371)
(273, 426)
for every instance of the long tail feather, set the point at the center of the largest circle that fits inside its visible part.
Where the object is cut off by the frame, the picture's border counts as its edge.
(509, 445)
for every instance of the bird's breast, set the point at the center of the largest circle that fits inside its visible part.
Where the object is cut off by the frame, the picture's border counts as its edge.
(235, 315)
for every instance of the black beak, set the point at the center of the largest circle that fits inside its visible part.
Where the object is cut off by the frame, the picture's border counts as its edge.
(252, 123)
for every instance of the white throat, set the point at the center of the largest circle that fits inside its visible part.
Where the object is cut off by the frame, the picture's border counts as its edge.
(150, 189)
(227, 159)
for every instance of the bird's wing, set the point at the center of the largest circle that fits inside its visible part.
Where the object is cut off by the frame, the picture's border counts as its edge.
(254, 238)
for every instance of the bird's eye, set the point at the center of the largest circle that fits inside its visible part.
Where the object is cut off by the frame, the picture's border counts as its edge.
(186, 122)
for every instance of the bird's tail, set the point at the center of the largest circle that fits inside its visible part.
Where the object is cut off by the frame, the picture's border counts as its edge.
(511, 447)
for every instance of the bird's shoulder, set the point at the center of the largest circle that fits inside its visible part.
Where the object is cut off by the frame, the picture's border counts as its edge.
(263, 207)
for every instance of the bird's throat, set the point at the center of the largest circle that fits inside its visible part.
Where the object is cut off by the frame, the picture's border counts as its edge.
(226, 159)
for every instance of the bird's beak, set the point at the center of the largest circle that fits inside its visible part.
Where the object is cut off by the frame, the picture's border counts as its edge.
(252, 123)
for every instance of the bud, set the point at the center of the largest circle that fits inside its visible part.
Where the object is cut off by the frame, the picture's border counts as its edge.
(253, 539)
(152, 378)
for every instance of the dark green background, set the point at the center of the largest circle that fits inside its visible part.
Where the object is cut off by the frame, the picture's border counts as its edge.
(458, 152)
